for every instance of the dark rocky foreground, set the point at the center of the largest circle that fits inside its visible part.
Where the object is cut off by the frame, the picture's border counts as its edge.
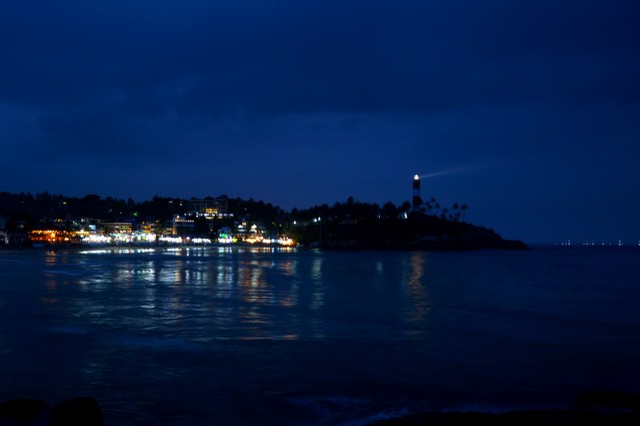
(33, 412)
(593, 408)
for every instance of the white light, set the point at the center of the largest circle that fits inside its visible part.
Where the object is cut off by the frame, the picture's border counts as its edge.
(226, 240)
(172, 240)
(201, 241)
(96, 239)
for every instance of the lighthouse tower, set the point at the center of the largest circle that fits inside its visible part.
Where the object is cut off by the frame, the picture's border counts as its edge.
(417, 201)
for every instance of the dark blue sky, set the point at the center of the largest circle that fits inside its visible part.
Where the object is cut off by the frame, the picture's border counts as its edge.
(536, 104)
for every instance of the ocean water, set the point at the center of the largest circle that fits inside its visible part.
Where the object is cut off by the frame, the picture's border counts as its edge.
(263, 336)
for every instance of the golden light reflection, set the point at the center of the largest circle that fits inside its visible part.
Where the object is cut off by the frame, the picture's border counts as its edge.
(288, 267)
(51, 284)
(415, 288)
(178, 273)
(240, 289)
(51, 281)
(51, 258)
(251, 281)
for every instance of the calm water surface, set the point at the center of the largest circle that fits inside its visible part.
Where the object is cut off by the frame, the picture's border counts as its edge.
(238, 336)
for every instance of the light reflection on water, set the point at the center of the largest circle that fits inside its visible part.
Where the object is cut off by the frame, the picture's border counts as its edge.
(221, 293)
(416, 288)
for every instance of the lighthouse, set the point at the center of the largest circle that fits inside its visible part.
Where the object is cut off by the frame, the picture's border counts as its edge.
(417, 201)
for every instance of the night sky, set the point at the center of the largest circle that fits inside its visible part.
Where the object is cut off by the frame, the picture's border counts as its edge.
(533, 106)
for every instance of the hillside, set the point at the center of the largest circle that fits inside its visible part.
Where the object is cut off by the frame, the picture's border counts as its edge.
(421, 232)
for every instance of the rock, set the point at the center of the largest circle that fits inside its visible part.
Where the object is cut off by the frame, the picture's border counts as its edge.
(78, 411)
(23, 411)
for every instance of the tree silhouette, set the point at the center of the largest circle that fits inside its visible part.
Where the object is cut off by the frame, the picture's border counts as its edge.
(405, 207)
(389, 210)
(455, 215)
(463, 210)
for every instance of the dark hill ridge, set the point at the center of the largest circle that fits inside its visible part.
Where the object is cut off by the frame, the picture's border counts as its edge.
(418, 232)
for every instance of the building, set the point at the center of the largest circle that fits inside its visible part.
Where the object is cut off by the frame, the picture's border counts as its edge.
(209, 208)
(183, 224)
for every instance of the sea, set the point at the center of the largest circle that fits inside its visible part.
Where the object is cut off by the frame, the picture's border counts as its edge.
(286, 336)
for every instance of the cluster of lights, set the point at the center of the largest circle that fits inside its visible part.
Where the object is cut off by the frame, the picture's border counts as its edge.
(254, 234)
(53, 236)
(145, 237)
(225, 239)
(593, 243)
(199, 241)
(283, 241)
(618, 243)
(96, 239)
(253, 240)
(120, 238)
(170, 239)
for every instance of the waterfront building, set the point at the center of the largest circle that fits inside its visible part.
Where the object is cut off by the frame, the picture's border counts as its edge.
(182, 224)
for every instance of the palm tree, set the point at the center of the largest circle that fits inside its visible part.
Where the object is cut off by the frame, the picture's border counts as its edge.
(428, 207)
(389, 210)
(432, 204)
(464, 209)
(455, 216)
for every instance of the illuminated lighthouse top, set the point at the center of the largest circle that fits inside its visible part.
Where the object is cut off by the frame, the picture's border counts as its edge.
(416, 201)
